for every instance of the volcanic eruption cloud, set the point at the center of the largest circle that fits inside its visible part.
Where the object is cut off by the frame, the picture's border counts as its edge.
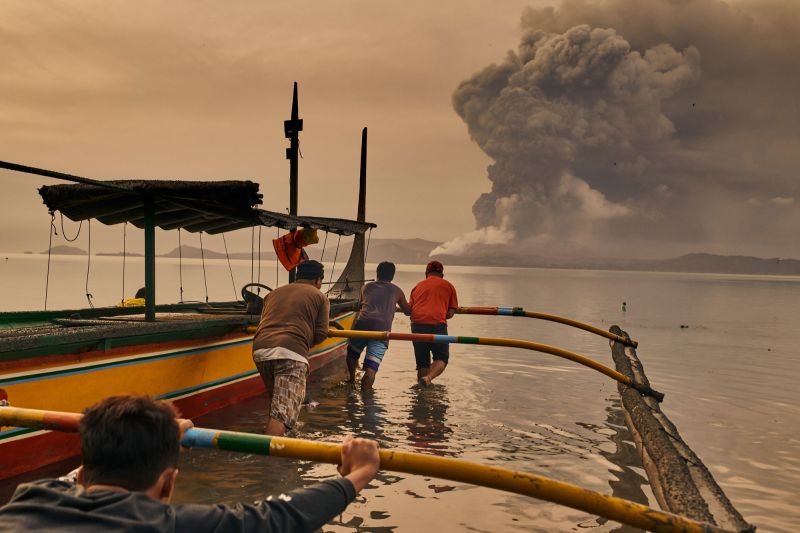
(642, 127)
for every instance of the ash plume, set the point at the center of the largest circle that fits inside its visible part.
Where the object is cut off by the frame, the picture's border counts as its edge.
(639, 121)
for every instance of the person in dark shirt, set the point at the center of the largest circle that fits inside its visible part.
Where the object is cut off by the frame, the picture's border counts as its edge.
(295, 318)
(376, 313)
(129, 449)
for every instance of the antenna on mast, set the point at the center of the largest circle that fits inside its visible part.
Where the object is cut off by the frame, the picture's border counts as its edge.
(292, 129)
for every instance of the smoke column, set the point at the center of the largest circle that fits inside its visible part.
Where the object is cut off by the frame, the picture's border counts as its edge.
(612, 119)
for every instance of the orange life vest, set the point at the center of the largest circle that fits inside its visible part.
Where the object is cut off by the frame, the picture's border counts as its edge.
(289, 247)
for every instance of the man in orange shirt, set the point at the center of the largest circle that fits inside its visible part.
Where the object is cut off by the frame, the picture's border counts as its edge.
(433, 301)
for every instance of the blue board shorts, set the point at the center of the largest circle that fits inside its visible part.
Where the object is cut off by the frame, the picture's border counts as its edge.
(376, 349)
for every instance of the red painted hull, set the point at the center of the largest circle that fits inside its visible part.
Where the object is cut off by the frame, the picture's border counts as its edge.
(34, 451)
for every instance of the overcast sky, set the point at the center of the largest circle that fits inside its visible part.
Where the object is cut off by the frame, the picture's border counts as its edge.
(642, 127)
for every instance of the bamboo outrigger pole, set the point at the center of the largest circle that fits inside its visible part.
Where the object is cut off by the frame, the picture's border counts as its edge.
(611, 507)
(518, 311)
(492, 341)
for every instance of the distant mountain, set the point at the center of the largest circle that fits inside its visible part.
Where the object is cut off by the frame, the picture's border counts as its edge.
(119, 254)
(727, 264)
(192, 252)
(416, 251)
(62, 249)
(409, 251)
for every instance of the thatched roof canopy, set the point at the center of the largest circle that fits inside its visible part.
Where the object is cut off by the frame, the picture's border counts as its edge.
(208, 206)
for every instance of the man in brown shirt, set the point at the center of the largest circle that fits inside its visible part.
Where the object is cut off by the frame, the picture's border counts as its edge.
(295, 318)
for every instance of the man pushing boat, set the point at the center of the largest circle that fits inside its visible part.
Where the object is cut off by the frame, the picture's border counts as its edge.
(130, 448)
(294, 318)
(379, 300)
(433, 301)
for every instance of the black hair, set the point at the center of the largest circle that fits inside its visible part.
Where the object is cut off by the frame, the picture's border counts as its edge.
(386, 271)
(128, 441)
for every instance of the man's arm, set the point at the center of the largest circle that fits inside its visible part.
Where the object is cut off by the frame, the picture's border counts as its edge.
(452, 305)
(323, 321)
(402, 303)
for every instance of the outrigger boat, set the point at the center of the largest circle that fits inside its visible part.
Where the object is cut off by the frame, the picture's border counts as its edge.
(197, 355)
(690, 499)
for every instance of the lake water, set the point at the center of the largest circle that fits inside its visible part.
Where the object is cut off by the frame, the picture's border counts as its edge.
(730, 380)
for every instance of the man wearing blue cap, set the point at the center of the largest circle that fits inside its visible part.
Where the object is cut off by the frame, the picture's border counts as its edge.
(295, 318)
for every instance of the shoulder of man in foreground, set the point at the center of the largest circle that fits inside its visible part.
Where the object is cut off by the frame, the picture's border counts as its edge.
(56, 505)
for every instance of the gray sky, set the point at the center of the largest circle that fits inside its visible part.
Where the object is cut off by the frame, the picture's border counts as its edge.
(199, 90)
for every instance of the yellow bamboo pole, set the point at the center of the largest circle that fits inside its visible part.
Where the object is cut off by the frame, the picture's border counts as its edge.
(494, 341)
(518, 311)
(543, 488)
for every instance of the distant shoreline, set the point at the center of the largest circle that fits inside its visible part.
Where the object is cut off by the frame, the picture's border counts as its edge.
(416, 251)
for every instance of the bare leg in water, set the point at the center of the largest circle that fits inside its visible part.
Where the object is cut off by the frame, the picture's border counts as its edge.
(368, 379)
(351, 368)
(426, 375)
(274, 427)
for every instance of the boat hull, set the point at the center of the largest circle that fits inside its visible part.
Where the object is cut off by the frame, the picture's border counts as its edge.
(198, 376)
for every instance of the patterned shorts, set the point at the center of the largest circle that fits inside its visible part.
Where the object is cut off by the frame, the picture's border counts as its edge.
(285, 380)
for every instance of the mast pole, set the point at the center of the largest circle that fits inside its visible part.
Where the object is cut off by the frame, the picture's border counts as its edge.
(149, 259)
(362, 184)
(292, 129)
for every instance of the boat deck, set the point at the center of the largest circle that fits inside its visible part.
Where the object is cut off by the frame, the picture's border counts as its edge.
(102, 333)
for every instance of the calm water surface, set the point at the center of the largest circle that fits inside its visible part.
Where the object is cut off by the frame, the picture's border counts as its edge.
(730, 380)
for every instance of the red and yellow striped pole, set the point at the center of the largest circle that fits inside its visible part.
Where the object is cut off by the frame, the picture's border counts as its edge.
(518, 311)
(493, 341)
(611, 507)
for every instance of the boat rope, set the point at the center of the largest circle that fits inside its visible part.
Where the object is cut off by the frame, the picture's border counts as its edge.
(230, 269)
(511, 343)
(366, 252)
(49, 248)
(518, 311)
(458, 470)
(88, 264)
(252, 254)
(335, 257)
(64, 233)
(124, 256)
(203, 260)
(180, 264)
(324, 244)
(258, 289)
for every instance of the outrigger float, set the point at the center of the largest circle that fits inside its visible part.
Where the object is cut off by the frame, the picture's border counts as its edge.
(681, 482)
(197, 355)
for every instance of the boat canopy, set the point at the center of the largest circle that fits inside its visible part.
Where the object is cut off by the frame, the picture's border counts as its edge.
(207, 206)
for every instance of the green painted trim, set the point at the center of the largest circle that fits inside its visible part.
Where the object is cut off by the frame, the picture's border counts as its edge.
(12, 319)
(51, 346)
(16, 432)
(243, 442)
(198, 388)
(468, 340)
(517, 311)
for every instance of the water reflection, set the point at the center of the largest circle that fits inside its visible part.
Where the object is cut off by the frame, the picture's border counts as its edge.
(625, 482)
(427, 427)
